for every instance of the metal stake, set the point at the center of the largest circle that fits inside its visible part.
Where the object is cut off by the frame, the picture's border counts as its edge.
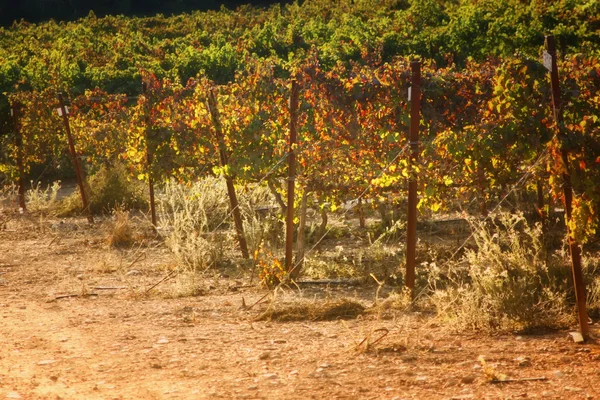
(411, 228)
(149, 162)
(574, 247)
(289, 221)
(16, 108)
(76, 162)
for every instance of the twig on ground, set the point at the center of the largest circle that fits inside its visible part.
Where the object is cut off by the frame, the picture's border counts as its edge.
(541, 378)
(56, 239)
(250, 307)
(67, 296)
(138, 258)
(385, 332)
(169, 275)
(109, 287)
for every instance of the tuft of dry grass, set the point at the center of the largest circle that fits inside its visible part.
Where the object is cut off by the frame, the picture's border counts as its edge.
(313, 311)
(121, 233)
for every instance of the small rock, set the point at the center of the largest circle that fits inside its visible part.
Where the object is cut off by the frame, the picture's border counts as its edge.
(252, 387)
(13, 395)
(519, 338)
(46, 362)
(294, 372)
(523, 361)
(53, 378)
(133, 272)
(270, 376)
(264, 356)
(408, 358)
(558, 374)
(163, 341)
(324, 365)
(279, 341)
(467, 380)
(421, 378)
(156, 366)
(319, 370)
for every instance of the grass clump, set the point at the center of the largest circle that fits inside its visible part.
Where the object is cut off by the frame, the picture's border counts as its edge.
(313, 311)
(121, 232)
(510, 283)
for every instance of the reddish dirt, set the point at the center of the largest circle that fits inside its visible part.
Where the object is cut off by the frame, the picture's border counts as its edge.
(122, 344)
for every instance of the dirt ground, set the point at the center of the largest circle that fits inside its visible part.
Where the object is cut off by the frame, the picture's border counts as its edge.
(117, 340)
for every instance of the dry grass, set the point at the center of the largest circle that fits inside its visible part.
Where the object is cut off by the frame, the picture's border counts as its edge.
(510, 282)
(121, 232)
(304, 310)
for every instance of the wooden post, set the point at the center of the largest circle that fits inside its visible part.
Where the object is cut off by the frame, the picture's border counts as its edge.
(289, 222)
(411, 227)
(235, 209)
(149, 159)
(574, 248)
(15, 109)
(64, 113)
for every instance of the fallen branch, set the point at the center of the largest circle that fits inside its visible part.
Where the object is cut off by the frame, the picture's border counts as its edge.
(109, 287)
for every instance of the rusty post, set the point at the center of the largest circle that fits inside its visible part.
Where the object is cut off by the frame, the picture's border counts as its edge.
(15, 109)
(289, 221)
(149, 161)
(76, 162)
(411, 227)
(574, 247)
(235, 209)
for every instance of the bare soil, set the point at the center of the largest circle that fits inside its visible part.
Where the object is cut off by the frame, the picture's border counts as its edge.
(130, 343)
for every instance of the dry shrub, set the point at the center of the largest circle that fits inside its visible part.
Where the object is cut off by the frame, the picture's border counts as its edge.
(121, 233)
(42, 200)
(262, 226)
(190, 216)
(304, 310)
(376, 260)
(395, 303)
(107, 189)
(592, 279)
(510, 284)
(185, 284)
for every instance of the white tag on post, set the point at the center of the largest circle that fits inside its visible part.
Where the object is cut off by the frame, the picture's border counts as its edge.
(59, 111)
(409, 93)
(547, 60)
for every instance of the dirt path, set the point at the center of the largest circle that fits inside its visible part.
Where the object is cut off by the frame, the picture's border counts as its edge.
(119, 345)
